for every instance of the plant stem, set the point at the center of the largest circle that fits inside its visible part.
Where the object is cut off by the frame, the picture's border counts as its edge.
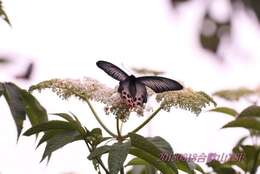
(118, 127)
(145, 122)
(98, 119)
(122, 171)
(121, 127)
(98, 159)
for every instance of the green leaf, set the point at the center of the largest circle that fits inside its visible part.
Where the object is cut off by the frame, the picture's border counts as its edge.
(65, 116)
(3, 15)
(153, 160)
(73, 121)
(48, 135)
(241, 140)
(35, 111)
(251, 111)
(95, 135)
(198, 168)
(57, 134)
(160, 143)
(184, 165)
(142, 143)
(99, 152)
(117, 156)
(137, 161)
(143, 169)
(59, 140)
(226, 110)
(140, 164)
(155, 146)
(12, 94)
(221, 168)
(50, 125)
(249, 157)
(248, 123)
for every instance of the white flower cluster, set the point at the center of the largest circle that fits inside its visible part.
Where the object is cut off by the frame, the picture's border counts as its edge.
(185, 99)
(86, 88)
(90, 89)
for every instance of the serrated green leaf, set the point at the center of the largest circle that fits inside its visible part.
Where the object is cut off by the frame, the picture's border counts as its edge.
(96, 132)
(221, 168)
(137, 161)
(99, 152)
(73, 121)
(64, 116)
(249, 157)
(59, 140)
(183, 165)
(117, 156)
(138, 169)
(48, 135)
(154, 146)
(225, 110)
(141, 165)
(153, 160)
(12, 94)
(241, 140)
(251, 111)
(248, 123)
(35, 111)
(142, 143)
(95, 135)
(160, 143)
(198, 168)
(50, 125)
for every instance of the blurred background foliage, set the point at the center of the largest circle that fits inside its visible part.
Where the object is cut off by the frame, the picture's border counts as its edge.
(214, 28)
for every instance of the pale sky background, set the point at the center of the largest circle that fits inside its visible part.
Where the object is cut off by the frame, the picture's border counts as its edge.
(65, 38)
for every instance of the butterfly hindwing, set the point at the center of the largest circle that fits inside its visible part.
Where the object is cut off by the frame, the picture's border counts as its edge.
(112, 70)
(133, 93)
(160, 84)
(125, 92)
(141, 94)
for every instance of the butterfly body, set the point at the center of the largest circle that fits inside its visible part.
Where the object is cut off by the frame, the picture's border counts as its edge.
(133, 89)
(132, 92)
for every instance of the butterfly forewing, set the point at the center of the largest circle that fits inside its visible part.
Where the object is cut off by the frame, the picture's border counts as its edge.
(160, 84)
(112, 70)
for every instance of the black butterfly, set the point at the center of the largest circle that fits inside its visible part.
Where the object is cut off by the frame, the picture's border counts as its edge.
(132, 89)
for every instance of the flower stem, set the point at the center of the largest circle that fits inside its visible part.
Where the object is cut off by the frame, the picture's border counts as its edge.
(121, 127)
(119, 136)
(98, 158)
(99, 121)
(145, 122)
